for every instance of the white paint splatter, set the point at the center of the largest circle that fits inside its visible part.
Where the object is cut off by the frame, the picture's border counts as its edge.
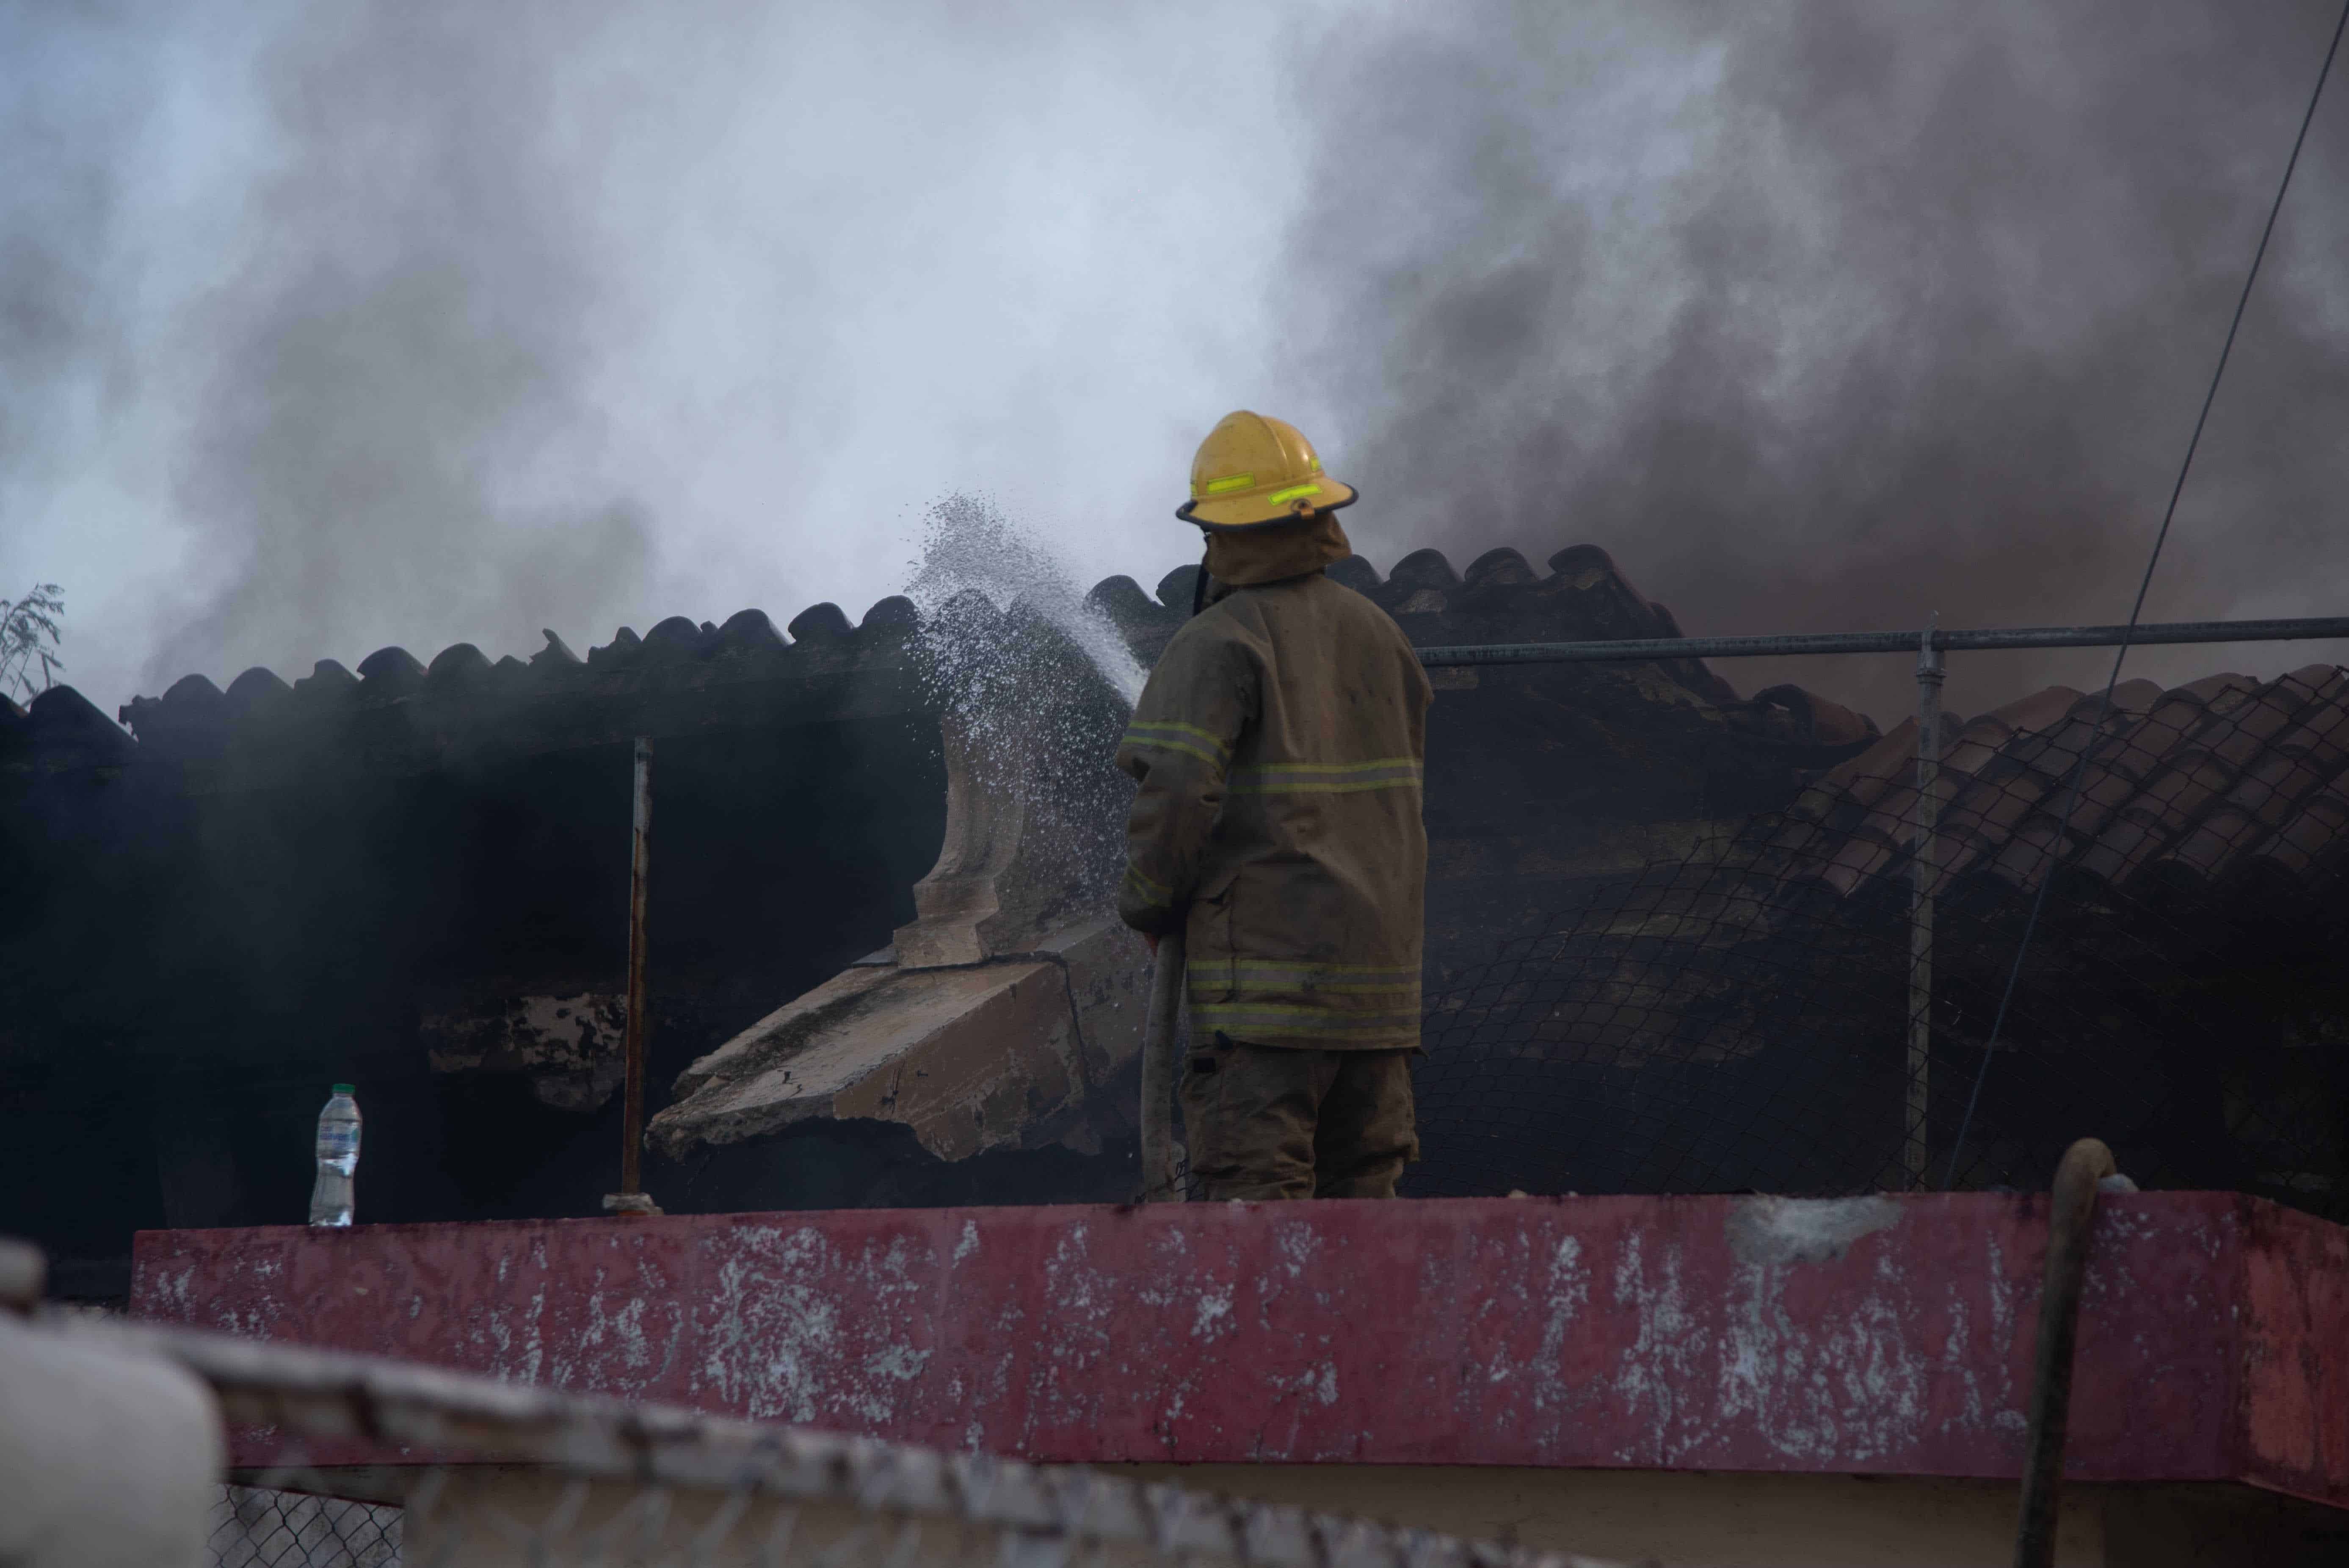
(1776, 1232)
(1297, 1244)
(900, 1362)
(1215, 1309)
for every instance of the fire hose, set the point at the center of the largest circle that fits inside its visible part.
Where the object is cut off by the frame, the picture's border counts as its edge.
(1161, 1180)
(2071, 1213)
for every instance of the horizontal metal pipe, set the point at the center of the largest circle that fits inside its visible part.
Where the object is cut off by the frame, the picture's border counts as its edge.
(1888, 641)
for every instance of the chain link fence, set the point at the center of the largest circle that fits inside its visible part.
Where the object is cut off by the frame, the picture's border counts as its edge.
(1765, 1015)
(259, 1527)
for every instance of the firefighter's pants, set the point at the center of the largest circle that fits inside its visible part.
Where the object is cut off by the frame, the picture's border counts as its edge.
(1263, 1121)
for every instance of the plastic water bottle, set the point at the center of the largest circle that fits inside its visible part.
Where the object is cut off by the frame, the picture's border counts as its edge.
(338, 1159)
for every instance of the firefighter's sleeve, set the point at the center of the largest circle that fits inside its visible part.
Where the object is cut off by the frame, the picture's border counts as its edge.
(1179, 747)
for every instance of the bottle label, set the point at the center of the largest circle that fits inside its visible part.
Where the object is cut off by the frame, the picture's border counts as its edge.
(337, 1142)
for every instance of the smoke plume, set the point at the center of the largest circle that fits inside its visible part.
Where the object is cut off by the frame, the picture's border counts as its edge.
(1829, 316)
(337, 325)
(396, 437)
(328, 325)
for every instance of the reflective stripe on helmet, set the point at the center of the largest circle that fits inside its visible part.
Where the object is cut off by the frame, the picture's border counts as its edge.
(1294, 492)
(1230, 482)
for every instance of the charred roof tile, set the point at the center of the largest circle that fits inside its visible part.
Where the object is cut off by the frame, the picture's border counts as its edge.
(1824, 722)
(459, 664)
(750, 631)
(69, 729)
(1424, 569)
(619, 653)
(1583, 560)
(557, 654)
(1177, 588)
(191, 695)
(254, 689)
(675, 637)
(392, 670)
(325, 676)
(822, 622)
(1120, 598)
(968, 614)
(1498, 569)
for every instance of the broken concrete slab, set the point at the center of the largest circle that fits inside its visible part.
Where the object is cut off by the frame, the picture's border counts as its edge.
(1004, 1013)
(1012, 1052)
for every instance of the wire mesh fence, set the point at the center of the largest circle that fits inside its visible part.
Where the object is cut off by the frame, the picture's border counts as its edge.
(262, 1527)
(480, 1472)
(1740, 1020)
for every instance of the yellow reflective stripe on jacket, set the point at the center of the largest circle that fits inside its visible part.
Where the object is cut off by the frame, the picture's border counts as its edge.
(1156, 894)
(1189, 738)
(1325, 778)
(1321, 1000)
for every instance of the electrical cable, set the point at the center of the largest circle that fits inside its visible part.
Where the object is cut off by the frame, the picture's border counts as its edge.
(2104, 704)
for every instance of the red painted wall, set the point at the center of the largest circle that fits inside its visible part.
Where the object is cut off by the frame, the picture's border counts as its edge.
(1880, 1334)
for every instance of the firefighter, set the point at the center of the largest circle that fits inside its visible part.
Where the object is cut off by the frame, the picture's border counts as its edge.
(1278, 747)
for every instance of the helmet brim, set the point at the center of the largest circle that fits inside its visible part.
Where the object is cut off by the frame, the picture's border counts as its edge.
(1232, 513)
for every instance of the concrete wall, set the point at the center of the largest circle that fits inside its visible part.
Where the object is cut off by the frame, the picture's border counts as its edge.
(1873, 1335)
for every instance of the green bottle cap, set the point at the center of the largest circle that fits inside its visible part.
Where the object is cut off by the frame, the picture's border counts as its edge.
(346, 1088)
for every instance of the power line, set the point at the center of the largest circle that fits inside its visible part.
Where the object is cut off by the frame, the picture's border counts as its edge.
(2104, 704)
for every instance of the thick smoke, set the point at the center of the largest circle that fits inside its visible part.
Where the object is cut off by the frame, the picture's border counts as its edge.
(324, 326)
(1827, 317)
(396, 438)
(337, 325)
(65, 356)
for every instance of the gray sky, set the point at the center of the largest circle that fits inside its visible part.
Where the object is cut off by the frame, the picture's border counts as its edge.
(330, 326)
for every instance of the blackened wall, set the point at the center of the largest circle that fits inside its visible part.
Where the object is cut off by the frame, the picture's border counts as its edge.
(183, 972)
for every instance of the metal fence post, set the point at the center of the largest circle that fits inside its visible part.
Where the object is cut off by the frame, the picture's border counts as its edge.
(1914, 1152)
(631, 1198)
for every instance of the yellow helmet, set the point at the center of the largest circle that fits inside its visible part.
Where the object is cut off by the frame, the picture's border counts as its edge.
(1252, 471)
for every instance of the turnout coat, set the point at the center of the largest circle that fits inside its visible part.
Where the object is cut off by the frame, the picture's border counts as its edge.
(1280, 746)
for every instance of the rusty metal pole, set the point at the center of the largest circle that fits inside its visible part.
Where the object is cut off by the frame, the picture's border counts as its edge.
(2071, 1214)
(631, 1198)
(1914, 1154)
